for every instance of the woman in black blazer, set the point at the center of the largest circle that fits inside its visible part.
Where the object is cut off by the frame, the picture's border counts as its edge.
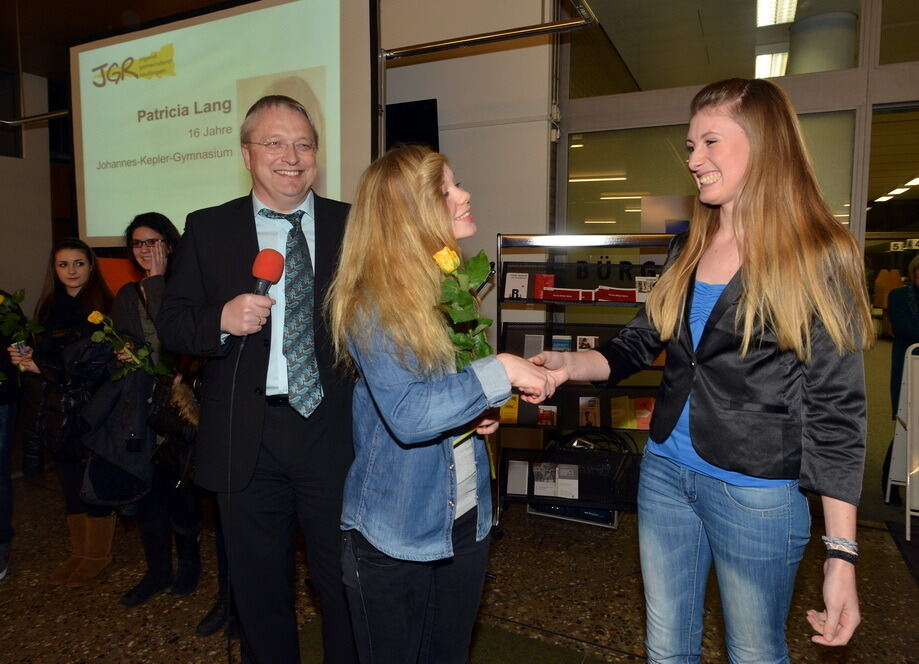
(763, 313)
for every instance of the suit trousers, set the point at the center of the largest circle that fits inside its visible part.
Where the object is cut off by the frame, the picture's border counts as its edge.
(294, 482)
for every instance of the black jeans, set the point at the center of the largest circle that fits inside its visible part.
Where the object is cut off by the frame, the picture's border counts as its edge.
(404, 611)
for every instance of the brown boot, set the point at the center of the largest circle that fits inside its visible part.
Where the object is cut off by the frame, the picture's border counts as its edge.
(98, 551)
(76, 524)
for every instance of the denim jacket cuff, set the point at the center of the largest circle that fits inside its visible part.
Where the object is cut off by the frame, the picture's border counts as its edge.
(493, 378)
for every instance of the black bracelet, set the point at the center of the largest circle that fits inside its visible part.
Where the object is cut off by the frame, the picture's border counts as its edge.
(842, 555)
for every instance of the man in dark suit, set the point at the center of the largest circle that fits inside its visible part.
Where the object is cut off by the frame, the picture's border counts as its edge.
(274, 438)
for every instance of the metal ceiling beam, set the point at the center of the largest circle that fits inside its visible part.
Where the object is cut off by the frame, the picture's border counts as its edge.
(580, 6)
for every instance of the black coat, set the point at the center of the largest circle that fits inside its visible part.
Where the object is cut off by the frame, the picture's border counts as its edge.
(767, 414)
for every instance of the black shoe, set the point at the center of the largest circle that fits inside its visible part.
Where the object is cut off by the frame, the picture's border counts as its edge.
(215, 619)
(149, 586)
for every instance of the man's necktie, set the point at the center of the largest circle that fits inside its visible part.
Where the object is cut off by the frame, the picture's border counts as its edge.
(303, 387)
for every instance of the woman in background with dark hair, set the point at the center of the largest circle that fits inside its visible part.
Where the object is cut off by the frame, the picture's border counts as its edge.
(171, 509)
(53, 398)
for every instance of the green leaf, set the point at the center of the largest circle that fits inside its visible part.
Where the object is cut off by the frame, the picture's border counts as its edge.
(449, 289)
(463, 281)
(465, 300)
(463, 359)
(461, 315)
(478, 268)
(97, 336)
(461, 340)
(482, 324)
(481, 347)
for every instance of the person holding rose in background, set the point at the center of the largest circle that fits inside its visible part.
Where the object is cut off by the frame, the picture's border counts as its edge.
(417, 500)
(52, 399)
(172, 508)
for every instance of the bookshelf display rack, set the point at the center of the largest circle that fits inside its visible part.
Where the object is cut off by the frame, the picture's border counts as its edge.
(577, 410)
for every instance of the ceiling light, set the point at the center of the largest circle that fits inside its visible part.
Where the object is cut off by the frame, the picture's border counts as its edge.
(618, 178)
(912, 183)
(611, 197)
(898, 191)
(633, 209)
(773, 12)
(840, 215)
(881, 199)
(599, 221)
(771, 65)
(576, 145)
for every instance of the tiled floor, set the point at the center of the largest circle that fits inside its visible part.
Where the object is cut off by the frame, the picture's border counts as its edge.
(573, 585)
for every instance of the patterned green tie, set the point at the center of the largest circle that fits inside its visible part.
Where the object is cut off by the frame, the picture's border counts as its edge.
(303, 387)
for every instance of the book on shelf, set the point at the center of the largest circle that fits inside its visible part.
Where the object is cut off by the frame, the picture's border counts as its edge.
(567, 294)
(515, 285)
(507, 414)
(644, 408)
(518, 477)
(546, 415)
(545, 480)
(588, 342)
(532, 344)
(622, 413)
(611, 294)
(555, 480)
(643, 286)
(588, 411)
(542, 282)
(561, 342)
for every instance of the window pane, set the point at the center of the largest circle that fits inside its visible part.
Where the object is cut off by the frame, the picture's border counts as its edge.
(893, 171)
(636, 180)
(657, 44)
(899, 31)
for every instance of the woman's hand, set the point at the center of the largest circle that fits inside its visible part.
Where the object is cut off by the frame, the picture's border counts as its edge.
(158, 260)
(534, 382)
(487, 423)
(123, 355)
(836, 623)
(583, 365)
(21, 356)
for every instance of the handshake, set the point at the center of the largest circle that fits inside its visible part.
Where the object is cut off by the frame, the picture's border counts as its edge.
(538, 377)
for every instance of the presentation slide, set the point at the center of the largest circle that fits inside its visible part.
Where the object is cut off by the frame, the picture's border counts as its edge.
(157, 112)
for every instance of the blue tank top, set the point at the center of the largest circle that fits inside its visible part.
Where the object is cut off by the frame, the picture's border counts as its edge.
(678, 446)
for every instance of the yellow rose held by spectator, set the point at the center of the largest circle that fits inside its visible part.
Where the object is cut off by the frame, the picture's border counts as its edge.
(447, 260)
(95, 318)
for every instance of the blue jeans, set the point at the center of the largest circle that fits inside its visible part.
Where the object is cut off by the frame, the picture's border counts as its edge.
(754, 536)
(7, 416)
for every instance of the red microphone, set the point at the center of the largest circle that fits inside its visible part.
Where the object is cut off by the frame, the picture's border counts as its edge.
(267, 270)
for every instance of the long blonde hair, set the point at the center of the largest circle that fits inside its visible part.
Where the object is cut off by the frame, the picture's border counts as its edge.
(798, 263)
(386, 272)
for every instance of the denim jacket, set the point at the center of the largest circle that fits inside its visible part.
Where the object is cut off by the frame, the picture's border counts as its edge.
(400, 492)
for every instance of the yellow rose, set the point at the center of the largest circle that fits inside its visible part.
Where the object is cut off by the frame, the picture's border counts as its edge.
(447, 260)
(95, 318)
(2, 298)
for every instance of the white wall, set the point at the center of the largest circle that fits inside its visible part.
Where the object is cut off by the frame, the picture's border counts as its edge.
(493, 107)
(25, 194)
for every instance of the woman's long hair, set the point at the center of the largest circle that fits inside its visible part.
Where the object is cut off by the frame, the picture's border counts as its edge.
(798, 263)
(156, 222)
(95, 294)
(386, 274)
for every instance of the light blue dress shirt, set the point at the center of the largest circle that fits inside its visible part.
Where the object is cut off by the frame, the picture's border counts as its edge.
(272, 234)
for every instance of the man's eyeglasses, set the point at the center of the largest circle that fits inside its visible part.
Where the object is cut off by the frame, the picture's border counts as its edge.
(280, 146)
(137, 244)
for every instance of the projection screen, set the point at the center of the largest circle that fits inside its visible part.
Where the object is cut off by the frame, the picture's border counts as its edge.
(157, 112)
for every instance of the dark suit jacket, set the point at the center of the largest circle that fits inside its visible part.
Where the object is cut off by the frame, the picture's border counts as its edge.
(213, 264)
(767, 414)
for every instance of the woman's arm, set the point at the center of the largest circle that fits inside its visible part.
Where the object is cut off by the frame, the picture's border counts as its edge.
(584, 365)
(838, 620)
